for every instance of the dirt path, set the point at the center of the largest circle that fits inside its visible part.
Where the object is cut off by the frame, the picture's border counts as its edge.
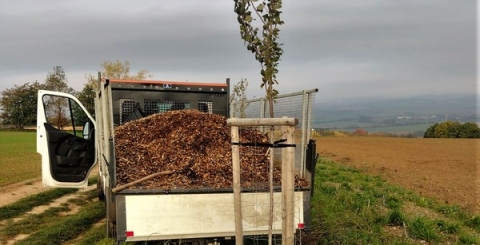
(445, 169)
(14, 192)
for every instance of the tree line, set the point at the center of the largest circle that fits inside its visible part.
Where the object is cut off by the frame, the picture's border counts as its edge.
(452, 129)
(19, 103)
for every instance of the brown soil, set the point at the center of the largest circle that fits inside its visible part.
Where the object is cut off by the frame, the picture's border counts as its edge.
(14, 192)
(445, 169)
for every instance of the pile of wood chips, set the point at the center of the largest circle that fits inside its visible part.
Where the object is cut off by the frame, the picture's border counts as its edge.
(196, 146)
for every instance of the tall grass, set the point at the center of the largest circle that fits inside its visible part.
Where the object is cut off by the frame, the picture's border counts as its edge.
(19, 160)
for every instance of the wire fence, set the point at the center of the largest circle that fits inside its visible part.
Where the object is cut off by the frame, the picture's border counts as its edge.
(297, 105)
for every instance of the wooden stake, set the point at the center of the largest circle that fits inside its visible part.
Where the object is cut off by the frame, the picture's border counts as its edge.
(288, 161)
(270, 181)
(237, 197)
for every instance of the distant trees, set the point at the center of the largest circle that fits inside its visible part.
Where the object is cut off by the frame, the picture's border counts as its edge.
(87, 97)
(121, 70)
(20, 102)
(451, 129)
(109, 69)
(57, 108)
(20, 105)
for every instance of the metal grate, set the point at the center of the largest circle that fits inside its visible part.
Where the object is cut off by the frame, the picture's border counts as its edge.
(205, 106)
(150, 106)
(126, 108)
(179, 105)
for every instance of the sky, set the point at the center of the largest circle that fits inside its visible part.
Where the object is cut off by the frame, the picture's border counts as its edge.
(345, 49)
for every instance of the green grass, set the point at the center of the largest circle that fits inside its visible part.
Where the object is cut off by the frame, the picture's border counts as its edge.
(32, 222)
(424, 229)
(19, 160)
(96, 235)
(349, 207)
(55, 225)
(68, 227)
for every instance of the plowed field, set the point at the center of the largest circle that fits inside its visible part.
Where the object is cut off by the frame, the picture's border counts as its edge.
(445, 169)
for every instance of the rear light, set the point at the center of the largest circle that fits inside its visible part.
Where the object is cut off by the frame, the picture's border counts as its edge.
(128, 233)
(301, 226)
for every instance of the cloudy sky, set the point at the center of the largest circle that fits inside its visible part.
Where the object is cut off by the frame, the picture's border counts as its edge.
(346, 49)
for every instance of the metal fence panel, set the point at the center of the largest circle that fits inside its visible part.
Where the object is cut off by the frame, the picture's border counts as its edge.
(297, 105)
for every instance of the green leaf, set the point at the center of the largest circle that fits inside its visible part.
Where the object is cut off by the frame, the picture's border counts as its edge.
(248, 18)
(260, 7)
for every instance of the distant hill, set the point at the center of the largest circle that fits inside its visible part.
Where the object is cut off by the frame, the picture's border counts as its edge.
(381, 113)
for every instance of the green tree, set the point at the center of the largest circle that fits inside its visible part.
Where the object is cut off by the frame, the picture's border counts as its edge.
(57, 81)
(121, 70)
(20, 105)
(118, 70)
(451, 129)
(264, 46)
(239, 96)
(448, 129)
(57, 109)
(111, 69)
(470, 130)
(85, 96)
(430, 132)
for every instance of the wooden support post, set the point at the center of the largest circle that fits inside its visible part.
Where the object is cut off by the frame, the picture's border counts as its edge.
(270, 183)
(237, 197)
(288, 162)
(288, 185)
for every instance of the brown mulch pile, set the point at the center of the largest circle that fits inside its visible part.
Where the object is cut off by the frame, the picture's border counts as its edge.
(196, 146)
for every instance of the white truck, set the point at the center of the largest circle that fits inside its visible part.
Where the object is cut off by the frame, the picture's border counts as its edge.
(187, 216)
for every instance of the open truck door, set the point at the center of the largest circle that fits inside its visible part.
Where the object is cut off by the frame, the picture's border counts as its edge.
(65, 139)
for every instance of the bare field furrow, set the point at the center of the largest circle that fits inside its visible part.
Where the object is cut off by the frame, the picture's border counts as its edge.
(444, 169)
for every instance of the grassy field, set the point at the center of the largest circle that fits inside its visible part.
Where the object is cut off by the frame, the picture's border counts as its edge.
(19, 160)
(351, 207)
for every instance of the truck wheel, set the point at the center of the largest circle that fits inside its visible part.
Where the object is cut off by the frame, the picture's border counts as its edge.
(100, 193)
